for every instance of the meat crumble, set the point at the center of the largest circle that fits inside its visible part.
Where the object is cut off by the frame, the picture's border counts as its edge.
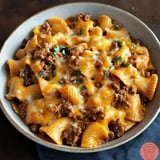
(116, 127)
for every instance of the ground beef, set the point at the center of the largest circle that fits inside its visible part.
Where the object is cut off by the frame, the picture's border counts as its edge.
(85, 95)
(72, 135)
(147, 73)
(104, 33)
(98, 64)
(34, 128)
(62, 109)
(28, 76)
(39, 54)
(83, 17)
(46, 28)
(117, 27)
(116, 127)
(114, 46)
(121, 93)
(132, 59)
(93, 113)
(74, 60)
(47, 62)
(43, 54)
(98, 85)
(111, 135)
(20, 108)
(74, 51)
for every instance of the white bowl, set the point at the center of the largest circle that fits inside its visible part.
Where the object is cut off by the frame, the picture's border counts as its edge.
(137, 29)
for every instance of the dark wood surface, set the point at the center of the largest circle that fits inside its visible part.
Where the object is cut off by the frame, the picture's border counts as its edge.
(13, 145)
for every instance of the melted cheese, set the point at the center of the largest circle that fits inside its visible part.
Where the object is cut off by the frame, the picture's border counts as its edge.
(82, 73)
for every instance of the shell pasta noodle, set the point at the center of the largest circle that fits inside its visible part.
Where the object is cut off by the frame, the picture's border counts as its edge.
(81, 81)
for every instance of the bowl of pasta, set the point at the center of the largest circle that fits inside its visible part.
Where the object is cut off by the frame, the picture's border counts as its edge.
(81, 77)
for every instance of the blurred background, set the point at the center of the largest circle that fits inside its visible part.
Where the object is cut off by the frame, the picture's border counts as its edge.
(13, 145)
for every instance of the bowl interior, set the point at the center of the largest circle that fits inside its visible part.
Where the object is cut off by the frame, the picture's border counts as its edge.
(137, 29)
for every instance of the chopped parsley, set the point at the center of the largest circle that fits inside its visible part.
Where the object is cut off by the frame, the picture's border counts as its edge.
(107, 74)
(51, 82)
(118, 59)
(127, 64)
(119, 42)
(83, 88)
(53, 73)
(62, 46)
(81, 30)
(41, 74)
(111, 67)
(63, 52)
(60, 49)
(76, 73)
(134, 45)
(78, 81)
(18, 81)
(56, 50)
(60, 81)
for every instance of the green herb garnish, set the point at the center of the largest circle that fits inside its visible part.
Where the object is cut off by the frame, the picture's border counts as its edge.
(41, 74)
(127, 64)
(60, 81)
(119, 42)
(111, 67)
(63, 52)
(107, 74)
(18, 81)
(78, 81)
(134, 45)
(83, 88)
(118, 59)
(81, 30)
(56, 50)
(60, 49)
(51, 82)
(76, 73)
(53, 73)
(62, 46)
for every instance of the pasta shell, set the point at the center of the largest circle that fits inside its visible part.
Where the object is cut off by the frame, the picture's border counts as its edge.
(135, 112)
(124, 53)
(94, 135)
(72, 93)
(147, 86)
(119, 34)
(47, 88)
(16, 89)
(82, 27)
(30, 46)
(141, 61)
(141, 50)
(90, 87)
(36, 30)
(104, 22)
(106, 60)
(16, 65)
(99, 43)
(96, 31)
(58, 25)
(55, 130)
(37, 111)
(125, 74)
(86, 65)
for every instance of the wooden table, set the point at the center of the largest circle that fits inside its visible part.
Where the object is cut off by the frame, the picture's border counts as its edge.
(13, 145)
